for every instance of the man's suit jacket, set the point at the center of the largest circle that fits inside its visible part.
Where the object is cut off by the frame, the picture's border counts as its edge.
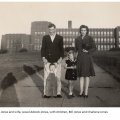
(52, 51)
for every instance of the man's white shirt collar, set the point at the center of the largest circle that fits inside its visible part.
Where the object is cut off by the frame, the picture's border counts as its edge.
(52, 37)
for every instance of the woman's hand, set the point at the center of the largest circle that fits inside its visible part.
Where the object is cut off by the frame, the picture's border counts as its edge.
(44, 60)
(84, 50)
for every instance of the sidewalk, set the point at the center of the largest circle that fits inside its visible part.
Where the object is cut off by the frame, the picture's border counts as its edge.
(104, 91)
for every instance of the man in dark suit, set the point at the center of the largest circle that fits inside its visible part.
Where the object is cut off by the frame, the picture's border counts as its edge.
(52, 52)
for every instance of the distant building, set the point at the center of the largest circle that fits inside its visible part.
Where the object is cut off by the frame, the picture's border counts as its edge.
(38, 30)
(105, 38)
(15, 42)
(117, 36)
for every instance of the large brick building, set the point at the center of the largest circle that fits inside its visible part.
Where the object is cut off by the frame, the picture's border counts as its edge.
(105, 38)
(15, 42)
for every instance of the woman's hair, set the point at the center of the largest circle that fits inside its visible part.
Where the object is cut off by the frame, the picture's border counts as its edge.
(84, 26)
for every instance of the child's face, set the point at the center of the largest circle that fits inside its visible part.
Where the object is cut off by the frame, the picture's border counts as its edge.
(71, 56)
(52, 68)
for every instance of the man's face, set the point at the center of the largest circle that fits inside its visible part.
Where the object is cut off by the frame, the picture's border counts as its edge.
(52, 31)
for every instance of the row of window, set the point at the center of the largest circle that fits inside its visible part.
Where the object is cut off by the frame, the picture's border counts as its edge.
(105, 47)
(40, 33)
(76, 33)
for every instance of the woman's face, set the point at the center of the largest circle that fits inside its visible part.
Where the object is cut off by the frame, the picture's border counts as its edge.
(83, 31)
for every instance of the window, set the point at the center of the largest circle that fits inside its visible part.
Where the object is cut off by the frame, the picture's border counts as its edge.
(61, 32)
(98, 40)
(101, 33)
(101, 39)
(98, 33)
(111, 33)
(67, 33)
(111, 40)
(73, 33)
(107, 40)
(76, 33)
(8, 43)
(98, 47)
(73, 44)
(91, 32)
(104, 33)
(104, 40)
(101, 47)
(70, 32)
(119, 33)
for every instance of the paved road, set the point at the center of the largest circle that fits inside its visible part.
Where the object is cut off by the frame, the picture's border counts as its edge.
(104, 91)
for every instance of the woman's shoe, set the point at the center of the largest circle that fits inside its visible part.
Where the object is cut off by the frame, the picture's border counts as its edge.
(81, 95)
(85, 96)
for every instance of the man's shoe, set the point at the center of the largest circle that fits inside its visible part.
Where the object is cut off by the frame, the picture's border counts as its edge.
(59, 96)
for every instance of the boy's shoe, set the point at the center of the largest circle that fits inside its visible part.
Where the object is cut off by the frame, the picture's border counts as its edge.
(71, 96)
(59, 96)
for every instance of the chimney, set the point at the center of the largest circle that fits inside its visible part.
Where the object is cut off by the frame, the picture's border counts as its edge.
(69, 24)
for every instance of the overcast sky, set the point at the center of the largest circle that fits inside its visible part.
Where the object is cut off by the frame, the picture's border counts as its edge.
(17, 17)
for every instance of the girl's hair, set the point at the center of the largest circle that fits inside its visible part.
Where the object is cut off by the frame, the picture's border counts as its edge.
(84, 26)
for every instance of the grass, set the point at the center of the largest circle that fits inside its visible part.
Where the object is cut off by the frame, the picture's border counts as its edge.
(14, 63)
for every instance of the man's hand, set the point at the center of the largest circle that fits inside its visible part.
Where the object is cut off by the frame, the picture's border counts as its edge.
(59, 61)
(44, 60)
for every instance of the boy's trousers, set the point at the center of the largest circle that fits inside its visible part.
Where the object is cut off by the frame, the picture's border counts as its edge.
(58, 75)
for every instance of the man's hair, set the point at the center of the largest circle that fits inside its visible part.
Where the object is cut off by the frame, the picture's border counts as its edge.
(51, 25)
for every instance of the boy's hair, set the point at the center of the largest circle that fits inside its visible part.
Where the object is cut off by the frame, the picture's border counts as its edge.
(51, 65)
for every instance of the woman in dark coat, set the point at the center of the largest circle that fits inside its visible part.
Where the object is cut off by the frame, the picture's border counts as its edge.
(84, 45)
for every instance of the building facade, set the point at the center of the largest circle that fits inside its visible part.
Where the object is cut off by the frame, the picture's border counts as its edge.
(15, 42)
(38, 30)
(105, 38)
